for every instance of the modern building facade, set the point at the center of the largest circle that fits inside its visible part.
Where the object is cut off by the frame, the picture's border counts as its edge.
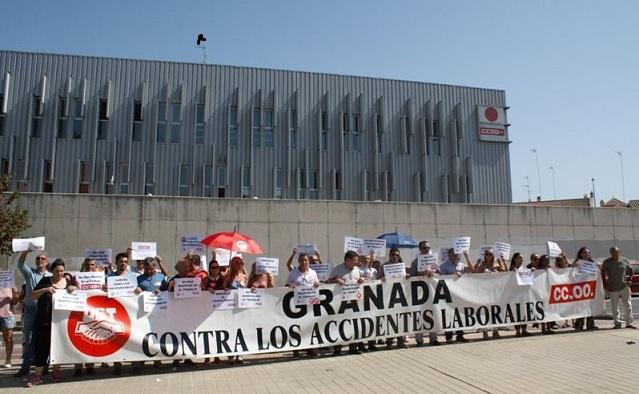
(77, 124)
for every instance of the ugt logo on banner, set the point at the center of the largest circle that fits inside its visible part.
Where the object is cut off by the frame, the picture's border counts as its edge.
(102, 329)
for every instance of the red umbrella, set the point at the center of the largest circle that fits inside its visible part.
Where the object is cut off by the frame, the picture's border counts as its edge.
(234, 241)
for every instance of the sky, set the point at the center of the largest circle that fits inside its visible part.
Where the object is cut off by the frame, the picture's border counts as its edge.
(569, 68)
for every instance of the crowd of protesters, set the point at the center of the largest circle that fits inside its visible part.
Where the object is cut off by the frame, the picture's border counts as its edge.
(151, 275)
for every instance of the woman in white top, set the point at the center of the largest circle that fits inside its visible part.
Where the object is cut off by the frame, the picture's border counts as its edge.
(303, 275)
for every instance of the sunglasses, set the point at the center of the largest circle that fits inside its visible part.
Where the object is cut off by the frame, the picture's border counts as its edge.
(394, 254)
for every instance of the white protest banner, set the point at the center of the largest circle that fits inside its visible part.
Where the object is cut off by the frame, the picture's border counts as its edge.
(492, 300)
(353, 244)
(89, 280)
(393, 271)
(142, 250)
(121, 286)
(248, 298)
(7, 279)
(427, 262)
(191, 243)
(375, 246)
(553, 249)
(223, 300)
(502, 250)
(306, 295)
(322, 271)
(22, 244)
(351, 292)
(102, 256)
(267, 265)
(65, 301)
(187, 287)
(461, 244)
(155, 302)
(223, 256)
(525, 277)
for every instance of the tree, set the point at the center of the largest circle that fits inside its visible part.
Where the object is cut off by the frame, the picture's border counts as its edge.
(13, 218)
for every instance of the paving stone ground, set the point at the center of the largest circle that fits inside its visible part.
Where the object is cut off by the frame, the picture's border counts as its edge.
(602, 361)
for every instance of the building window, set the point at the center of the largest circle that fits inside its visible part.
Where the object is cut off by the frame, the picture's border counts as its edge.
(233, 126)
(184, 180)
(199, 124)
(36, 123)
(312, 184)
(436, 133)
(83, 187)
(324, 121)
(277, 183)
(301, 182)
(5, 167)
(161, 129)
(63, 118)
(103, 120)
(77, 119)
(124, 178)
(2, 121)
(268, 128)
(108, 177)
(220, 176)
(380, 132)
(47, 175)
(246, 182)
(355, 132)
(149, 178)
(293, 128)
(176, 122)
(255, 126)
(336, 186)
(207, 181)
(366, 189)
(345, 126)
(136, 135)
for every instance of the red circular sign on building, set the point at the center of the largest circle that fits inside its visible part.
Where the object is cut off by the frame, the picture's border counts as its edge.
(491, 114)
(102, 330)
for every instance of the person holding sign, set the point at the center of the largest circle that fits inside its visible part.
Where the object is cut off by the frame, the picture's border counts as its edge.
(561, 261)
(43, 294)
(303, 275)
(262, 280)
(584, 254)
(616, 273)
(216, 279)
(366, 268)
(516, 263)
(394, 258)
(452, 266)
(7, 321)
(88, 265)
(32, 276)
(314, 258)
(121, 269)
(236, 279)
(347, 273)
(488, 264)
(424, 248)
(150, 280)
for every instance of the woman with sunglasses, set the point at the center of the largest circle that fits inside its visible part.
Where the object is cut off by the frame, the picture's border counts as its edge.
(43, 294)
(584, 254)
(236, 278)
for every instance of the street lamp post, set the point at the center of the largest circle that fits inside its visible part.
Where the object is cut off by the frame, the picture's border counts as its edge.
(623, 186)
(538, 172)
(594, 197)
(554, 186)
(527, 187)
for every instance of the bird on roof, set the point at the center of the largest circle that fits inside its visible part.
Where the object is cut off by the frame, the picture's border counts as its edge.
(200, 38)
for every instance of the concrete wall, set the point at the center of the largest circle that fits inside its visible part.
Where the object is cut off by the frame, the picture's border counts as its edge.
(72, 223)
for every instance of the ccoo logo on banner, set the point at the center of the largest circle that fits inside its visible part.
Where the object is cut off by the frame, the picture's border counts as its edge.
(120, 330)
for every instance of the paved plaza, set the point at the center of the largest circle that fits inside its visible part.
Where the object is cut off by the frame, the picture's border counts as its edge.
(602, 361)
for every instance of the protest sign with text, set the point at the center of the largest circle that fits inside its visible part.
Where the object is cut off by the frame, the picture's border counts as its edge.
(7, 279)
(121, 286)
(250, 298)
(322, 270)
(223, 300)
(502, 250)
(267, 265)
(553, 249)
(155, 302)
(427, 262)
(89, 280)
(142, 250)
(22, 244)
(394, 271)
(65, 301)
(306, 295)
(461, 244)
(102, 256)
(192, 243)
(223, 256)
(525, 277)
(187, 287)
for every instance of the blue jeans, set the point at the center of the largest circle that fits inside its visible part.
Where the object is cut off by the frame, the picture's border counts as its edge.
(28, 320)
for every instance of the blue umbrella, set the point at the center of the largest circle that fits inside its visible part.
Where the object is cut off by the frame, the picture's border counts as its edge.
(398, 240)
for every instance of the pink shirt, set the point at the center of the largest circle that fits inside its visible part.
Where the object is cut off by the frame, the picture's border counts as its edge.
(5, 302)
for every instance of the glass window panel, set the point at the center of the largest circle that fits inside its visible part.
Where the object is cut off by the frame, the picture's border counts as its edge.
(161, 132)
